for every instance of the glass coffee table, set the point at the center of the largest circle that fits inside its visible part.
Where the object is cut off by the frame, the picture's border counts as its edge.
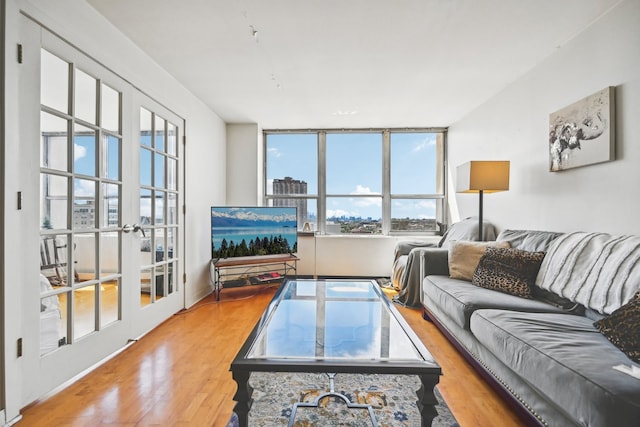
(334, 326)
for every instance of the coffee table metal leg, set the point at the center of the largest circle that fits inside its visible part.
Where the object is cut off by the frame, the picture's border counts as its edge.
(242, 397)
(426, 398)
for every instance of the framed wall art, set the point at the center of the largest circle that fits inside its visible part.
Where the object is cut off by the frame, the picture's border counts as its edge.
(583, 133)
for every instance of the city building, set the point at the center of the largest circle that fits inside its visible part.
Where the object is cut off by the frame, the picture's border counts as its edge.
(289, 186)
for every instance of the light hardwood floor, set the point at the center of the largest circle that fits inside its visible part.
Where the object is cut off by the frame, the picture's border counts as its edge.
(178, 374)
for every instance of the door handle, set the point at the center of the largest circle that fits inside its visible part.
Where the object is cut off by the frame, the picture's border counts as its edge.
(135, 228)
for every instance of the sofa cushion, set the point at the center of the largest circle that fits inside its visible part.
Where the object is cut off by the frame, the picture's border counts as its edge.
(460, 299)
(622, 328)
(508, 270)
(565, 358)
(597, 270)
(464, 257)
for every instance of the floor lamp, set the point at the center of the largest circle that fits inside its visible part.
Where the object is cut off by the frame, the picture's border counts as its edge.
(482, 176)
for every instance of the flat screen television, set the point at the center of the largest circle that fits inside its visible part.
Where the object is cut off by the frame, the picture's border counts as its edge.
(253, 231)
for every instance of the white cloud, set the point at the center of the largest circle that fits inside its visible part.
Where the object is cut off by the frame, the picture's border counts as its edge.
(361, 189)
(84, 188)
(366, 201)
(422, 145)
(427, 204)
(273, 152)
(79, 152)
(414, 208)
(112, 190)
(338, 213)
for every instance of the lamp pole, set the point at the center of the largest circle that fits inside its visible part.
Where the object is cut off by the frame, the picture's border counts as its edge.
(480, 192)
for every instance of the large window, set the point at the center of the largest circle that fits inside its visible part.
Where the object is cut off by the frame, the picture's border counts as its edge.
(358, 182)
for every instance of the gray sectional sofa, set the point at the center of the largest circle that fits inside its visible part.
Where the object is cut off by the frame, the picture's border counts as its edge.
(544, 354)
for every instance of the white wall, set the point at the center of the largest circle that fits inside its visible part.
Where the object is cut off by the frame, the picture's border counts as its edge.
(362, 256)
(243, 154)
(514, 126)
(206, 172)
(369, 256)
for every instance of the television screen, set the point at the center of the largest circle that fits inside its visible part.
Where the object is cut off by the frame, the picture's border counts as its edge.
(253, 231)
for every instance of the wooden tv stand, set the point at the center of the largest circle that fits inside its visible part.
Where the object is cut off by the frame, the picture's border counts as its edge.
(259, 267)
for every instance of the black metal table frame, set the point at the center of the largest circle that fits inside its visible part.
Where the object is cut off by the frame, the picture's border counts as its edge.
(241, 367)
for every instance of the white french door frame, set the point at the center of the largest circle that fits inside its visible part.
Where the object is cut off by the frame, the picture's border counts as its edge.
(41, 374)
(147, 317)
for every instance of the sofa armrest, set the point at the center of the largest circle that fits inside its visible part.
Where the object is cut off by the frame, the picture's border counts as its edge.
(410, 290)
(434, 262)
(404, 247)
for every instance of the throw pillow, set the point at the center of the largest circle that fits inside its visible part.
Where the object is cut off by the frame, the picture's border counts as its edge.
(465, 255)
(512, 271)
(622, 328)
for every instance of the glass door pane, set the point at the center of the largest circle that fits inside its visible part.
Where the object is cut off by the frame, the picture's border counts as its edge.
(159, 172)
(80, 199)
(54, 82)
(85, 97)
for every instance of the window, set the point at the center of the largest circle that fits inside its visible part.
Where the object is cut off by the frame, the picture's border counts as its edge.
(358, 182)
(416, 181)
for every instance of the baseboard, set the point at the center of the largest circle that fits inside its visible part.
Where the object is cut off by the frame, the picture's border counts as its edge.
(13, 421)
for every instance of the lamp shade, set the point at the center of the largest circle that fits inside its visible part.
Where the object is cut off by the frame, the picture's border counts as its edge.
(488, 176)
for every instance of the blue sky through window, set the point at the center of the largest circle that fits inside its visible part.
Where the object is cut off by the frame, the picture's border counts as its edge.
(354, 167)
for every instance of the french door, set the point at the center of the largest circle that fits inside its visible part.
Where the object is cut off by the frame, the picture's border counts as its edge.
(101, 166)
(157, 149)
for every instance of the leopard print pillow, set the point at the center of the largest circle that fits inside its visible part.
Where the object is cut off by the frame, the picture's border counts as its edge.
(508, 270)
(622, 328)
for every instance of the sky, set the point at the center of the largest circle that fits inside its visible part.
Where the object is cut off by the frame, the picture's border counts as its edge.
(354, 167)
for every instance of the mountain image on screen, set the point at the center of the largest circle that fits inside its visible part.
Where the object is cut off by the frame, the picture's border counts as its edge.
(253, 231)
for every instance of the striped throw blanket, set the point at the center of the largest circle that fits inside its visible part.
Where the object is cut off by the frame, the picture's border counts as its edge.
(597, 270)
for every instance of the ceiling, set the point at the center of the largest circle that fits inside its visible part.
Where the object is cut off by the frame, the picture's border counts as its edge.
(294, 64)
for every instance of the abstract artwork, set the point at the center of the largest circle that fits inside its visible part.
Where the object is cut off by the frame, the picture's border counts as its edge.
(583, 133)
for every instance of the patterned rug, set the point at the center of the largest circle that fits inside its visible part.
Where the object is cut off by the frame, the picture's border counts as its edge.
(392, 397)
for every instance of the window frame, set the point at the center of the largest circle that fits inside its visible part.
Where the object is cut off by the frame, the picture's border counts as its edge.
(386, 196)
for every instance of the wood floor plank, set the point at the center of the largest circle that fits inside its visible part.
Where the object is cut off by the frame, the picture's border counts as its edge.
(178, 374)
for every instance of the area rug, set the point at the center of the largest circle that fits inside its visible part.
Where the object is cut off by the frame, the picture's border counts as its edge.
(392, 397)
